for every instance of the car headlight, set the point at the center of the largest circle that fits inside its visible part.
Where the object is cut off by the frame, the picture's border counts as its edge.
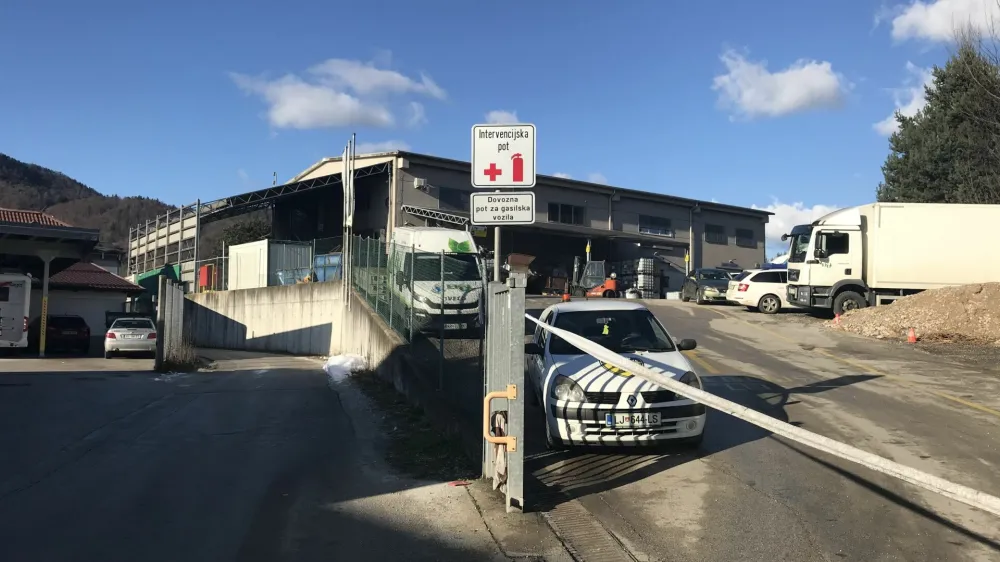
(565, 388)
(691, 379)
(711, 290)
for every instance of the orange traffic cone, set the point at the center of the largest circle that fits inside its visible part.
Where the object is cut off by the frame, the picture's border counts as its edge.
(912, 336)
(836, 319)
(565, 297)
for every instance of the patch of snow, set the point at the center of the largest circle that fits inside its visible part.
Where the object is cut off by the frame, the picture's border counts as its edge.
(338, 367)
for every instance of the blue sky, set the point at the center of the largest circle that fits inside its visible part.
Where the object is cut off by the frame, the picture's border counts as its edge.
(775, 104)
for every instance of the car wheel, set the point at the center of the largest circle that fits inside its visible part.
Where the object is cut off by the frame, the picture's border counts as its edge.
(769, 304)
(701, 298)
(552, 442)
(685, 298)
(107, 355)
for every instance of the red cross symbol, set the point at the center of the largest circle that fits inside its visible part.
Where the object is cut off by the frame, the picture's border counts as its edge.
(493, 171)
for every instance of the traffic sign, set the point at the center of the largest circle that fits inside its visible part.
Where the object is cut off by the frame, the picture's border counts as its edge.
(503, 156)
(504, 208)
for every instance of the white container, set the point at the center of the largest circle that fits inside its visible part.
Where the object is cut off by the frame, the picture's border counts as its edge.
(256, 264)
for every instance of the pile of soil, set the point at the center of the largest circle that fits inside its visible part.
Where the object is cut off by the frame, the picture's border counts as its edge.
(966, 313)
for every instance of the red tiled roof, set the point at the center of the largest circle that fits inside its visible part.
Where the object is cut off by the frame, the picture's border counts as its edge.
(29, 217)
(83, 275)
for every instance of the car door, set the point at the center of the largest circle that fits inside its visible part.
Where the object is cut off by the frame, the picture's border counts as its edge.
(688, 289)
(763, 283)
(536, 363)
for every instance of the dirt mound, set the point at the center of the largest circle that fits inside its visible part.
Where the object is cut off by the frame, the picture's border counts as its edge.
(967, 313)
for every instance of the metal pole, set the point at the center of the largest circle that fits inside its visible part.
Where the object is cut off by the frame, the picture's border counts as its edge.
(390, 285)
(44, 322)
(413, 264)
(368, 269)
(161, 289)
(378, 261)
(197, 234)
(441, 338)
(496, 254)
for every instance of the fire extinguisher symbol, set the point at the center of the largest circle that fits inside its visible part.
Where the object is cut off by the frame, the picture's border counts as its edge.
(518, 163)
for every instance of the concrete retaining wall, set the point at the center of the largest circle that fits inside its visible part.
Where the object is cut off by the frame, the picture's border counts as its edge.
(301, 319)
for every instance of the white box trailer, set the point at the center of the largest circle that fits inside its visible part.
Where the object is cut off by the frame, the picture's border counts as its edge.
(873, 254)
(256, 264)
(15, 308)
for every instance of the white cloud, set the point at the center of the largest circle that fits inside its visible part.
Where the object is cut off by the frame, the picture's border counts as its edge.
(909, 99)
(502, 117)
(787, 215)
(750, 90)
(418, 116)
(597, 177)
(384, 146)
(337, 93)
(938, 20)
(562, 175)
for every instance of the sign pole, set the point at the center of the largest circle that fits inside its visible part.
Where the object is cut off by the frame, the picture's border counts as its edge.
(496, 254)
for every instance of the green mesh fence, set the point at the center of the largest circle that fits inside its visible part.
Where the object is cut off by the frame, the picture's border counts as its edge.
(434, 301)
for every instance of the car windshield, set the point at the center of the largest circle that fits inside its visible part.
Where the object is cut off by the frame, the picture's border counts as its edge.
(713, 275)
(457, 267)
(617, 330)
(132, 325)
(67, 322)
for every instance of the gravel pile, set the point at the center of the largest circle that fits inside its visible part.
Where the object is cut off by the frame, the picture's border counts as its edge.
(967, 313)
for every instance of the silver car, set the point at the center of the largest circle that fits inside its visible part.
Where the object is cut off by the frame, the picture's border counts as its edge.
(130, 335)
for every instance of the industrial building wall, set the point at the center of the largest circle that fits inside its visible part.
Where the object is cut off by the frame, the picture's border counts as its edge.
(711, 250)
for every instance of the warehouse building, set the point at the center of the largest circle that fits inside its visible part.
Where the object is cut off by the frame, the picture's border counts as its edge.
(619, 223)
(409, 189)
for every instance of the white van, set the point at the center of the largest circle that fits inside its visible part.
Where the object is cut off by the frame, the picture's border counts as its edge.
(15, 303)
(415, 266)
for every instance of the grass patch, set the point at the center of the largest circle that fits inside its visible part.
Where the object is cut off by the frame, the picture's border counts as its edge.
(415, 447)
(183, 359)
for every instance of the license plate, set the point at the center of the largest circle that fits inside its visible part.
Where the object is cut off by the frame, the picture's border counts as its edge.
(644, 419)
(69, 333)
(455, 326)
(132, 336)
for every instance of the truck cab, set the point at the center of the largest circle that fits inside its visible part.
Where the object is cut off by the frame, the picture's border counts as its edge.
(437, 272)
(826, 262)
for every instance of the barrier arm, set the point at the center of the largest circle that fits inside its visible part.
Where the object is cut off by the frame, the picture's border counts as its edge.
(958, 492)
(508, 440)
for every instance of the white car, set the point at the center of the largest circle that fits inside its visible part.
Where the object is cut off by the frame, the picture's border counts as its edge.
(130, 335)
(762, 290)
(588, 402)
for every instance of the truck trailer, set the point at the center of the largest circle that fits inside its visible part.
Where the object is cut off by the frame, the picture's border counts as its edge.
(873, 254)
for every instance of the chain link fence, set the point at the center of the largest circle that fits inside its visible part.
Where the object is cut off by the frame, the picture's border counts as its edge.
(435, 302)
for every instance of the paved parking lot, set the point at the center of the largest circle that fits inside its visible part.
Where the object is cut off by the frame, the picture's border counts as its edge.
(751, 496)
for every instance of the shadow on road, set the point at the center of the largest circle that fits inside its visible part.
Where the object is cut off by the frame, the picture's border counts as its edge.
(553, 477)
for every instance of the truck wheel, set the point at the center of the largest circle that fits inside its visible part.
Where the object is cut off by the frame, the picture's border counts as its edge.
(846, 301)
(769, 304)
(609, 294)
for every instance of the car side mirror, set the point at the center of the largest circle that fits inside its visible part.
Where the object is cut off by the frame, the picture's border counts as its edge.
(532, 348)
(687, 344)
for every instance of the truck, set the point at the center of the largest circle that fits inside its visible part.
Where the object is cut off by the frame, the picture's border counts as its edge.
(873, 254)
(416, 256)
(15, 306)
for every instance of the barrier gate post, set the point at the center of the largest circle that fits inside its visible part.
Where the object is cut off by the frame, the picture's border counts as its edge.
(503, 400)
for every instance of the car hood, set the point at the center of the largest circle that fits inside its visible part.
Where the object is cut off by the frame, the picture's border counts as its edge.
(597, 376)
(715, 283)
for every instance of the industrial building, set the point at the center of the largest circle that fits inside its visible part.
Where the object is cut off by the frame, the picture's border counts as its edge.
(409, 189)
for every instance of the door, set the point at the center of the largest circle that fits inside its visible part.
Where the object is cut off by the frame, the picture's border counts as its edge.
(838, 257)
(688, 290)
(13, 310)
(536, 363)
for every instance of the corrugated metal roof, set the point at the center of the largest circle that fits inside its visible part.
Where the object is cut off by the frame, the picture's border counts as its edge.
(18, 216)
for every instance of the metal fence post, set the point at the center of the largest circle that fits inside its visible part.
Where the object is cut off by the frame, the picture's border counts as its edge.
(368, 269)
(161, 290)
(441, 331)
(515, 408)
(390, 283)
(378, 261)
(413, 267)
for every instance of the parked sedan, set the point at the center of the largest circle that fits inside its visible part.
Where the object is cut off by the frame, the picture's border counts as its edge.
(63, 332)
(705, 285)
(761, 290)
(130, 335)
(589, 402)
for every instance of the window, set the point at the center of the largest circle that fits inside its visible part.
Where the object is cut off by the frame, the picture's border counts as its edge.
(566, 214)
(4, 294)
(453, 199)
(618, 330)
(745, 238)
(835, 243)
(742, 275)
(712, 275)
(658, 226)
(133, 324)
(715, 234)
(767, 277)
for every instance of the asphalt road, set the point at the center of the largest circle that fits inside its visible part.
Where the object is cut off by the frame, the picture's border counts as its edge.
(259, 460)
(749, 495)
